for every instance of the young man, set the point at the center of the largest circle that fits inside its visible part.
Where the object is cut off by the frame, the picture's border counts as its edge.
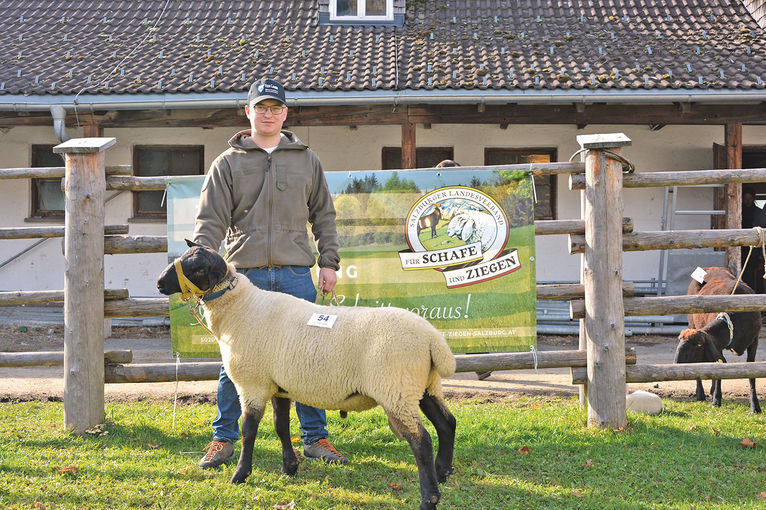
(259, 194)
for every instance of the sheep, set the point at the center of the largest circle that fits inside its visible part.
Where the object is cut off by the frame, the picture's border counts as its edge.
(371, 356)
(710, 333)
(473, 226)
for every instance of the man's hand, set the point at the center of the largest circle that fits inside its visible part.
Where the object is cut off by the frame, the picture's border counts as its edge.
(327, 280)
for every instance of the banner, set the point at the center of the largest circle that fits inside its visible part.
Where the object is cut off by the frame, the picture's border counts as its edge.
(453, 246)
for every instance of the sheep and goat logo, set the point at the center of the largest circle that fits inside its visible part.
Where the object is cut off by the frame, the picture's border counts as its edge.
(461, 232)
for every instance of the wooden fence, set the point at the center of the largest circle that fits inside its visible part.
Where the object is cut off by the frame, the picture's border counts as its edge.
(602, 364)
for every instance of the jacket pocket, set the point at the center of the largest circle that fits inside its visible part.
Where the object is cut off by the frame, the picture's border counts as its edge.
(281, 171)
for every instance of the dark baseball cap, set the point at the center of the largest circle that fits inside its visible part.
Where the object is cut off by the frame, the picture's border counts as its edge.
(266, 88)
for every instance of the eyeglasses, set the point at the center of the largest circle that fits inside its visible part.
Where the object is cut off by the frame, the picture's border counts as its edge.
(275, 109)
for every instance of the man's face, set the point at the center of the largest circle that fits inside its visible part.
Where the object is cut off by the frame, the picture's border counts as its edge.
(748, 199)
(263, 120)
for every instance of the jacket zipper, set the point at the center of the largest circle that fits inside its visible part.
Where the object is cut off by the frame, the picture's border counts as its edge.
(271, 207)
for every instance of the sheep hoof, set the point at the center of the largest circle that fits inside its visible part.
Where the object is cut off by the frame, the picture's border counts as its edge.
(755, 409)
(442, 475)
(290, 470)
(716, 402)
(239, 477)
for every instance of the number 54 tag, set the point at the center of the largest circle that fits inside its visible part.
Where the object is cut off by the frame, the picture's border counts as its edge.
(322, 320)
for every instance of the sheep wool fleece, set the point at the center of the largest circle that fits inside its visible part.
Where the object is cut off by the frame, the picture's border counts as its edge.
(385, 356)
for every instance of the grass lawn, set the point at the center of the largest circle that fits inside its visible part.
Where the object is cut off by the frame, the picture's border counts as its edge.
(689, 456)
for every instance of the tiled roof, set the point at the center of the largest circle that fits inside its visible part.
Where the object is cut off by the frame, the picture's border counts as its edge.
(66, 47)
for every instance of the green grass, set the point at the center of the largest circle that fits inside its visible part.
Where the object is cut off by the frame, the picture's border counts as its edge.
(687, 457)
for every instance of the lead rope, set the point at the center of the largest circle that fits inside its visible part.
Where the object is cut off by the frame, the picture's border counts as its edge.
(333, 299)
(175, 397)
(762, 244)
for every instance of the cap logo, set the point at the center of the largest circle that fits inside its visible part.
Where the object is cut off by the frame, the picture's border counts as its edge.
(260, 88)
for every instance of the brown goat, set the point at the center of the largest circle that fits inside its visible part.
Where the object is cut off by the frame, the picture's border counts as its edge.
(709, 334)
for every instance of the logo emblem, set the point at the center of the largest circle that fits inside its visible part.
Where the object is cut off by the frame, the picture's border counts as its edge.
(461, 232)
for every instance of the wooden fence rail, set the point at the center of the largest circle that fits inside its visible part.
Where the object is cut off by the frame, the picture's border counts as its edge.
(670, 305)
(683, 178)
(684, 372)
(208, 370)
(673, 239)
(51, 231)
(53, 358)
(29, 297)
(47, 172)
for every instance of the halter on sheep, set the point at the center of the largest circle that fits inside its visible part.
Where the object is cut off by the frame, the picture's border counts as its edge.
(371, 356)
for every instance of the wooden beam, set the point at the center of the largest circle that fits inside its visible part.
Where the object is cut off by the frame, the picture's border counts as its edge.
(733, 201)
(137, 307)
(602, 279)
(408, 145)
(672, 305)
(84, 281)
(135, 244)
(53, 358)
(51, 231)
(685, 372)
(568, 291)
(505, 114)
(553, 227)
(682, 178)
(672, 239)
(19, 297)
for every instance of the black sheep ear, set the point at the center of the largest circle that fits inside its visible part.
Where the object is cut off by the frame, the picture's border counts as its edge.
(217, 270)
(712, 353)
(190, 243)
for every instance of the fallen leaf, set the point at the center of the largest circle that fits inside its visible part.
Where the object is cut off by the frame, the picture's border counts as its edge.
(524, 450)
(155, 446)
(747, 443)
(184, 434)
(588, 463)
(133, 439)
(576, 494)
(295, 439)
(104, 433)
(535, 405)
(38, 505)
(691, 429)
(394, 486)
(763, 495)
(716, 432)
(69, 470)
(283, 506)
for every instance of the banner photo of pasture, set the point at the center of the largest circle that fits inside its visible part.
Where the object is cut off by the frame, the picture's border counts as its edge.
(453, 246)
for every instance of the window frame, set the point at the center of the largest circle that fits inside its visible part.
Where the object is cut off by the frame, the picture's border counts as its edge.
(138, 214)
(361, 8)
(35, 211)
(388, 148)
(552, 152)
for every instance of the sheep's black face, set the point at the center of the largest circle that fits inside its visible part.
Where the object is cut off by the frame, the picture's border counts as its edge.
(691, 347)
(201, 265)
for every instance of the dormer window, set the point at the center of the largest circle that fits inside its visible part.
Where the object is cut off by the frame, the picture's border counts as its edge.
(361, 10)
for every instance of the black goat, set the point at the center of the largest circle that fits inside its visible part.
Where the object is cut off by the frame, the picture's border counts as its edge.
(709, 334)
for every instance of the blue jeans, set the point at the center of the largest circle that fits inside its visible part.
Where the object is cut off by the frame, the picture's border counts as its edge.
(296, 281)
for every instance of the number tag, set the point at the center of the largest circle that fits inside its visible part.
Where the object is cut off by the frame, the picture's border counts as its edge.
(699, 275)
(322, 320)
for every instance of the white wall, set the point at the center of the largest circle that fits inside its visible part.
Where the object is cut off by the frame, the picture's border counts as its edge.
(341, 148)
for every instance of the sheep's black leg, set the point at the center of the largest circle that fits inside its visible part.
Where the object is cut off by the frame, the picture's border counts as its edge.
(715, 389)
(701, 391)
(250, 420)
(281, 408)
(755, 406)
(420, 442)
(445, 424)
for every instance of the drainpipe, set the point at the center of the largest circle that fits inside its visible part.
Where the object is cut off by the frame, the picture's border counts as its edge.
(59, 125)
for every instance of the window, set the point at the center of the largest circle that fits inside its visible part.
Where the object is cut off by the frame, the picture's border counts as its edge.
(157, 160)
(545, 185)
(47, 195)
(374, 10)
(425, 157)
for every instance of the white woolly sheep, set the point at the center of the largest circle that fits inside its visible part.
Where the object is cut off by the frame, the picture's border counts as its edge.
(371, 356)
(473, 226)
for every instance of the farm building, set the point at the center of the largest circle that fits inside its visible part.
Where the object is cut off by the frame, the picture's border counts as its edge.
(373, 85)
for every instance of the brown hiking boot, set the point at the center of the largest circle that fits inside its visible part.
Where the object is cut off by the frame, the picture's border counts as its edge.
(322, 449)
(218, 452)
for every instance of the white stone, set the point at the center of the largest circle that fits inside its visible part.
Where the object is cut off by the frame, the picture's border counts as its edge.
(644, 402)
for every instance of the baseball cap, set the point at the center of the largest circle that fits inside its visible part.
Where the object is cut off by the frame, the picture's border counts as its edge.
(266, 88)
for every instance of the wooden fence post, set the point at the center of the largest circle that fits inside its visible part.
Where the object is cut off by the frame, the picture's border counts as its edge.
(84, 281)
(602, 277)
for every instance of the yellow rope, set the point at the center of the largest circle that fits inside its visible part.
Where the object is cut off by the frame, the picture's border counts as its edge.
(762, 244)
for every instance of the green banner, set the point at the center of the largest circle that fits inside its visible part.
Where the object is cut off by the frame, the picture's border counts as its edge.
(453, 246)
